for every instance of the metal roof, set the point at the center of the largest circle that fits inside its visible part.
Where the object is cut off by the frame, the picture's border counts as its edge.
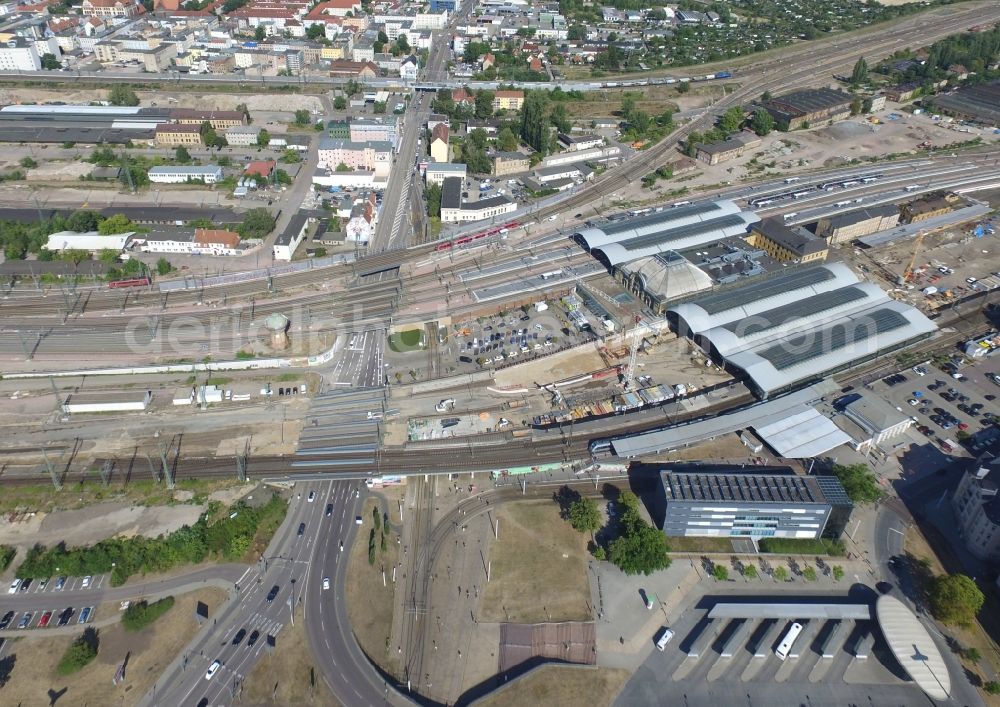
(913, 647)
(747, 487)
(802, 435)
(725, 610)
(808, 307)
(656, 222)
(679, 237)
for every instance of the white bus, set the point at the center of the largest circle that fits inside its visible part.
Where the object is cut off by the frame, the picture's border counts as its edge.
(788, 641)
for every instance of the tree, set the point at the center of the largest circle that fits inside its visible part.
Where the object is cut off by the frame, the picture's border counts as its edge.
(402, 46)
(291, 156)
(340, 103)
(50, 62)
(83, 221)
(809, 573)
(432, 195)
(560, 119)
(762, 122)
(377, 519)
(955, 599)
(780, 574)
(860, 73)
(475, 158)
(584, 516)
(209, 136)
(856, 104)
(282, 177)
(640, 548)
(263, 138)
(766, 96)
(118, 223)
(691, 144)
(79, 653)
(507, 140)
(720, 573)
(257, 223)
(838, 573)
(732, 120)
(859, 483)
(259, 33)
(182, 155)
(972, 654)
(163, 267)
(749, 571)
(534, 126)
(378, 107)
(484, 104)
(992, 687)
(302, 117)
(576, 33)
(28, 163)
(122, 95)
(683, 87)
(316, 31)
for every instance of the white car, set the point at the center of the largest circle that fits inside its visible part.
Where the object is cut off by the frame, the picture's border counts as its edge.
(326, 583)
(86, 582)
(919, 370)
(13, 586)
(312, 496)
(358, 520)
(212, 670)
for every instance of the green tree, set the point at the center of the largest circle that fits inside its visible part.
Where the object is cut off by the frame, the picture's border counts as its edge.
(291, 156)
(79, 653)
(992, 687)
(507, 140)
(484, 104)
(534, 126)
(340, 103)
(257, 223)
(860, 73)
(259, 33)
(432, 195)
(640, 548)
(838, 573)
(208, 134)
(762, 122)
(378, 107)
(28, 163)
(749, 571)
(282, 177)
(316, 31)
(402, 46)
(766, 96)
(809, 573)
(302, 117)
(141, 614)
(83, 221)
(576, 33)
(584, 516)
(163, 267)
(263, 138)
(691, 144)
(560, 118)
(50, 62)
(720, 573)
(972, 654)
(732, 120)
(376, 519)
(683, 87)
(780, 574)
(182, 155)
(955, 599)
(118, 223)
(859, 483)
(122, 95)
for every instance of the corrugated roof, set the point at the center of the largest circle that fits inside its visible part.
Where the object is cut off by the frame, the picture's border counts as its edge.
(802, 435)
(913, 647)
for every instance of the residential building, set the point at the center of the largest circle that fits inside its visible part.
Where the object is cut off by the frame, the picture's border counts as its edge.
(111, 9)
(176, 134)
(846, 227)
(927, 207)
(810, 106)
(373, 156)
(437, 119)
(218, 119)
(977, 509)
(260, 168)
(375, 129)
(289, 240)
(453, 210)
(437, 172)
(17, 54)
(200, 241)
(730, 148)
(180, 174)
(408, 68)
(242, 135)
(362, 219)
(339, 130)
(508, 100)
(787, 243)
(875, 422)
(439, 143)
(747, 502)
(505, 163)
(353, 69)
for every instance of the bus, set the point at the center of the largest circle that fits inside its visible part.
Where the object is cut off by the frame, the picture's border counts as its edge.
(788, 641)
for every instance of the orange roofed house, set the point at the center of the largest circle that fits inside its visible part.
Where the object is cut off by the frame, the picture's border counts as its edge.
(211, 241)
(260, 168)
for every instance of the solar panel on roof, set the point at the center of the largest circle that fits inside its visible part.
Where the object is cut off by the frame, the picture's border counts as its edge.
(686, 231)
(666, 216)
(801, 348)
(797, 279)
(807, 307)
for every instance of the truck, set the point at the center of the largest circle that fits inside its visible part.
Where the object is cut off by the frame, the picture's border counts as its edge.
(445, 405)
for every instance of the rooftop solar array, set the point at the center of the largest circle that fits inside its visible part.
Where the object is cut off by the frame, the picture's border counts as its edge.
(680, 486)
(797, 279)
(834, 491)
(680, 232)
(665, 216)
(804, 347)
(808, 307)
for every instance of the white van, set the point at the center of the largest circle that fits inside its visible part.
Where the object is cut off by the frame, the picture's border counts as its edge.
(665, 637)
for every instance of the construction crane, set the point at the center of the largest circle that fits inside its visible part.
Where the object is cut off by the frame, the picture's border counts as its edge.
(633, 354)
(908, 272)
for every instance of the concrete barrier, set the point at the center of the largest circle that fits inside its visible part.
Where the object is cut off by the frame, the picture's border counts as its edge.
(738, 638)
(764, 644)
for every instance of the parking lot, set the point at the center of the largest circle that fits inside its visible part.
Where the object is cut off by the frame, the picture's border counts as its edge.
(52, 610)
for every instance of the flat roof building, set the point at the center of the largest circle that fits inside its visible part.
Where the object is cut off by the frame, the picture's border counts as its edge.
(976, 503)
(733, 502)
(787, 243)
(179, 174)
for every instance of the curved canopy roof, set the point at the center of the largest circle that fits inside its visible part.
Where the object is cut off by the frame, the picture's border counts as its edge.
(630, 228)
(913, 647)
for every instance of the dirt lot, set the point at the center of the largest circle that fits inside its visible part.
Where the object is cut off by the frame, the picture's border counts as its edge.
(284, 677)
(33, 679)
(369, 604)
(558, 685)
(549, 583)
(551, 368)
(289, 102)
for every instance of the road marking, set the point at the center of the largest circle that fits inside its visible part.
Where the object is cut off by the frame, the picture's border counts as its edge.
(894, 530)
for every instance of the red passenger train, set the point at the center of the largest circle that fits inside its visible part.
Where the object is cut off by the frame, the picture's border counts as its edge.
(466, 240)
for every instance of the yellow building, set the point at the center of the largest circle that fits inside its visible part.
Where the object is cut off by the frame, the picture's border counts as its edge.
(787, 244)
(174, 134)
(928, 207)
(508, 100)
(846, 227)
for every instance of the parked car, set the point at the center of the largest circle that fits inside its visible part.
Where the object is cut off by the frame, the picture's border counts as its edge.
(5, 621)
(86, 582)
(44, 621)
(26, 618)
(85, 615)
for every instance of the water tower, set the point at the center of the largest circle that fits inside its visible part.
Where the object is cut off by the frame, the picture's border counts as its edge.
(277, 325)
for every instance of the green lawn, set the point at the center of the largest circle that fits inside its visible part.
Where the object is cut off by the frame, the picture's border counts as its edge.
(406, 340)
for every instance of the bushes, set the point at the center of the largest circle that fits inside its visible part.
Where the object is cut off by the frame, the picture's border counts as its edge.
(800, 546)
(79, 653)
(141, 614)
(6, 556)
(226, 538)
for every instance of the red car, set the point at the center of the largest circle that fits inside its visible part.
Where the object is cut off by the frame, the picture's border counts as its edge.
(44, 621)
(962, 426)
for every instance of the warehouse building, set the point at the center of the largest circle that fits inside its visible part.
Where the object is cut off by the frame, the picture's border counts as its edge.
(845, 227)
(811, 106)
(178, 174)
(690, 226)
(755, 502)
(786, 330)
(728, 149)
(977, 103)
(928, 207)
(787, 243)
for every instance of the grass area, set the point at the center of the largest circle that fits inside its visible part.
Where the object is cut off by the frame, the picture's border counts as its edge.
(36, 656)
(369, 604)
(690, 544)
(288, 377)
(547, 583)
(560, 686)
(409, 340)
(288, 676)
(141, 614)
(802, 546)
(139, 492)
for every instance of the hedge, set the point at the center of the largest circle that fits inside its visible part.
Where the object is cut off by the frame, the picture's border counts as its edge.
(802, 546)
(141, 614)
